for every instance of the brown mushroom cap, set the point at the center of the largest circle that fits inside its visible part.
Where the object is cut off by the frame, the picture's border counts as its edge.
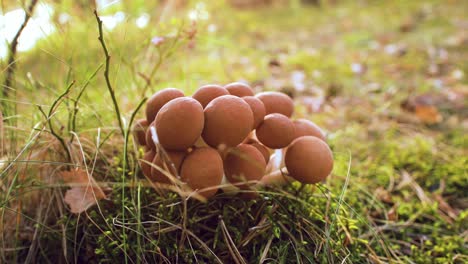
(179, 123)
(139, 131)
(158, 100)
(145, 167)
(239, 89)
(228, 120)
(276, 102)
(257, 107)
(149, 138)
(309, 159)
(202, 168)
(207, 93)
(244, 163)
(276, 131)
(264, 150)
(305, 127)
(173, 164)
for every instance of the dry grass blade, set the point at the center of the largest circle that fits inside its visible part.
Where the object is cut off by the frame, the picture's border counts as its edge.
(236, 255)
(191, 234)
(407, 179)
(265, 251)
(1, 133)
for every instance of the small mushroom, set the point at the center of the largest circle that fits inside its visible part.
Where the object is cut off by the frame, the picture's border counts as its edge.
(264, 150)
(244, 163)
(276, 131)
(305, 127)
(202, 169)
(145, 166)
(276, 102)
(309, 159)
(258, 109)
(239, 89)
(228, 121)
(207, 93)
(179, 123)
(172, 162)
(158, 100)
(139, 131)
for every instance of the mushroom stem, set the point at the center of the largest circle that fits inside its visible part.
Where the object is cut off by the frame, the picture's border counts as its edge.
(277, 159)
(154, 135)
(277, 177)
(228, 187)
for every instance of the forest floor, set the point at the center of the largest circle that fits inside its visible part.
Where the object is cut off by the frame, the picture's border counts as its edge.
(387, 81)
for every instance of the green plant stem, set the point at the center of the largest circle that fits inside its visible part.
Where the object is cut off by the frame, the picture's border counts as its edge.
(75, 105)
(106, 73)
(49, 120)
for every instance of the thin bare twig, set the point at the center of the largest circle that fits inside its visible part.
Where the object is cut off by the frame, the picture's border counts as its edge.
(13, 48)
(106, 73)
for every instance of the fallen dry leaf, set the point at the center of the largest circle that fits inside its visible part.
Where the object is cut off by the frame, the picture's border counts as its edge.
(428, 114)
(392, 214)
(425, 107)
(84, 192)
(383, 195)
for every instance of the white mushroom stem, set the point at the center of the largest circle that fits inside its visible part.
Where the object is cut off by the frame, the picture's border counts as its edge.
(277, 159)
(276, 177)
(154, 135)
(227, 187)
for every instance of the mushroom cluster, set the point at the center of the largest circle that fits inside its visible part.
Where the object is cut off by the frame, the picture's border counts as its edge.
(229, 136)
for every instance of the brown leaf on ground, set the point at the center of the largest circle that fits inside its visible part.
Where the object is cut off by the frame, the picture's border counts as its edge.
(428, 114)
(424, 107)
(383, 195)
(84, 192)
(392, 214)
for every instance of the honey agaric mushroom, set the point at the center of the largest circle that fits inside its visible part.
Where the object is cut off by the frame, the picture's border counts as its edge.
(173, 162)
(305, 127)
(228, 121)
(201, 169)
(239, 89)
(179, 123)
(146, 161)
(309, 159)
(207, 93)
(276, 131)
(158, 100)
(258, 109)
(264, 150)
(276, 102)
(139, 131)
(244, 163)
